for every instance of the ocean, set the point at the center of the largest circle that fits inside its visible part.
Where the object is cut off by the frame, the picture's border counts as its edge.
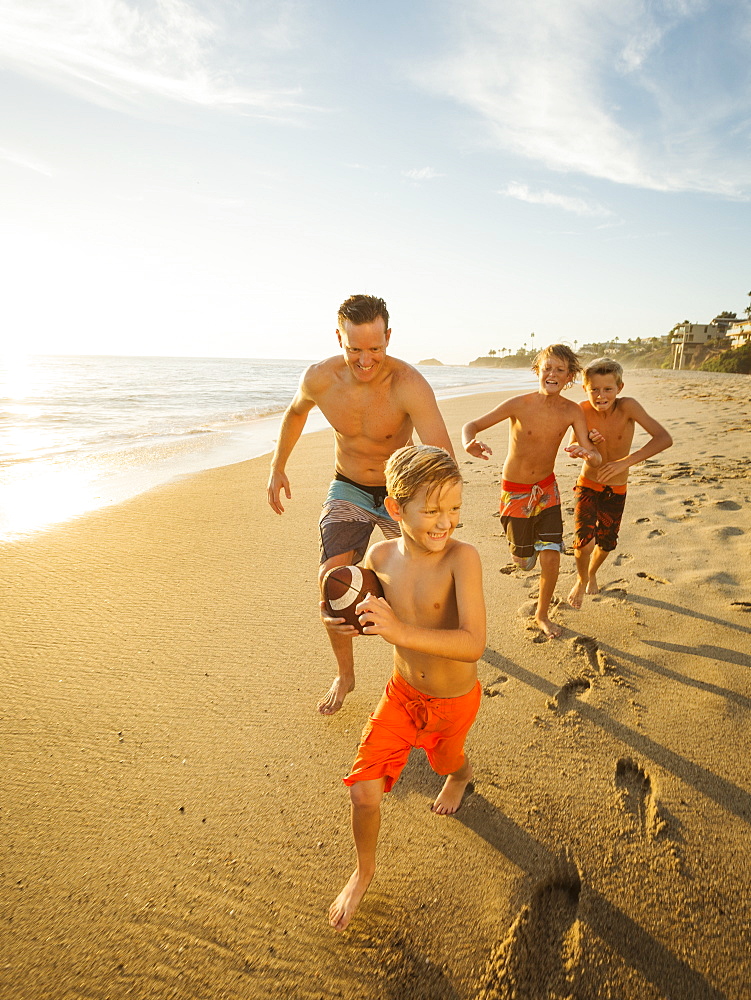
(80, 433)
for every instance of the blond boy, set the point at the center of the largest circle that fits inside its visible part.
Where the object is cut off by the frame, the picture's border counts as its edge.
(433, 613)
(601, 492)
(530, 502)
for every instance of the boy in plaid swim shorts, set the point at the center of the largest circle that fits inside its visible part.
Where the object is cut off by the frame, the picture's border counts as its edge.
(601, 492)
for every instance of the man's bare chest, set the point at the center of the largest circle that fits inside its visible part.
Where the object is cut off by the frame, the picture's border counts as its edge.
(376, 416)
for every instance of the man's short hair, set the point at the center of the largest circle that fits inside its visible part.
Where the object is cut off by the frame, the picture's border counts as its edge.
(603, 366)
(418, 465)
(564, 353)
(359, 309)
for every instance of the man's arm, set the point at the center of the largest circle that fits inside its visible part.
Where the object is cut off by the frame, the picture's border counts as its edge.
(290, 430)
(426, 418)
(659, 441)
(465, 643)
(469, 432)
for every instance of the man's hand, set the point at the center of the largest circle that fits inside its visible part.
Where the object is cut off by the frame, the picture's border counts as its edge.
(337, 625)
(478, 449)
(381, 620)
(607, 473)
(277, 482)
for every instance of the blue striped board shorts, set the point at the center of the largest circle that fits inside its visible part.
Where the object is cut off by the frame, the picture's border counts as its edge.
(348, 516)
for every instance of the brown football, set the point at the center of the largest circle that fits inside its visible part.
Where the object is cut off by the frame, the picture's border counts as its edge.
(343, 589)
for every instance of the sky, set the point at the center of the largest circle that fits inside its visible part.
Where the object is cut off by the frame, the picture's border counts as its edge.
(213, 178)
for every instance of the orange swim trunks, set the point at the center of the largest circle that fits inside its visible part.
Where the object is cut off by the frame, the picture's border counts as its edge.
(407, 718)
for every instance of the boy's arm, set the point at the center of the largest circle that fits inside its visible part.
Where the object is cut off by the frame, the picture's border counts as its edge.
(469, 432)
(659, 441)
(580, 433)
(465, 643)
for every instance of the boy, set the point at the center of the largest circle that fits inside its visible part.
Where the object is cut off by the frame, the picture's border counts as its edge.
(530, 502)
(601, 493)
(433, 613)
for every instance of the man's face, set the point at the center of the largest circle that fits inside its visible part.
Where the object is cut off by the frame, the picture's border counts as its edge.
(364, 347)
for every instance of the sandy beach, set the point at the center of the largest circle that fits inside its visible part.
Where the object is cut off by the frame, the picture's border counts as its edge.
(172, 818)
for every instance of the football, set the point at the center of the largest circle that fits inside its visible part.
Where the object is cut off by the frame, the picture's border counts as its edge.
(343, 589)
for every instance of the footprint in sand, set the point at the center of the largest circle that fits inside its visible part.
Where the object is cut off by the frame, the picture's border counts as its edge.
(586, 646)
(495, 687)
(727, 505)
(621, 558)
(741, 605)
(563, 699)
(508, 569)
(641, 520)
(654, 579)
(655, 533)
(638, 797)
(540, 955)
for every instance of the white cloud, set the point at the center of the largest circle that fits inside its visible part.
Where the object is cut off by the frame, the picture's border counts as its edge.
(569, 204)
(606, 90)
(421, 174)
(19, 159)
(121, 53)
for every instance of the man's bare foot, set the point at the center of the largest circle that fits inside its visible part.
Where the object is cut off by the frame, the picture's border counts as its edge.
(592, 587)
(576, 594)
(450, 796)
(332, 702)
(551, 630)
(344, 906)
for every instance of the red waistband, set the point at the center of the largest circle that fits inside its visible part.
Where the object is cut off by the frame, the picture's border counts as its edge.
(509, 487)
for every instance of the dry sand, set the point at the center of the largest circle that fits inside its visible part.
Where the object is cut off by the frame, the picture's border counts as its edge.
(173, 823)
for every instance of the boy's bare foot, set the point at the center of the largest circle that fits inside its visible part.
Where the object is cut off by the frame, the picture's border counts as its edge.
(450, 796)
(344, 906)
(576, 595)
(551, 630)
(335, 695)
(592, 587)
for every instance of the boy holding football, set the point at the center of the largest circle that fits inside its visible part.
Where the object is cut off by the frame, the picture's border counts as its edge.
(601, 492)
(433, 614)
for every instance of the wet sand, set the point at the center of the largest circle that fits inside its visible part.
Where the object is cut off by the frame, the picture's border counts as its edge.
(172, 818)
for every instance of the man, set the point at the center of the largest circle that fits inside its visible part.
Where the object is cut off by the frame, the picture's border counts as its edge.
(374, 402)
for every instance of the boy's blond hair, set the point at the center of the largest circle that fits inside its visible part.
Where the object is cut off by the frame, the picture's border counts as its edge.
(414, 466)
(603, 366)
(564, 353)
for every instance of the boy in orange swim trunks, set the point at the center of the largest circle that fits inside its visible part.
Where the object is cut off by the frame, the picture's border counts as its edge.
(433, 613)
(530, 502)
(601, 493)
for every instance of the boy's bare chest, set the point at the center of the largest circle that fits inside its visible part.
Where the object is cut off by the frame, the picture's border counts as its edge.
(422, 597)
(618, 431)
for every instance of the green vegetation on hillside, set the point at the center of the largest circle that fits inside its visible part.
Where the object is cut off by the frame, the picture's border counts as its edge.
(737, 361)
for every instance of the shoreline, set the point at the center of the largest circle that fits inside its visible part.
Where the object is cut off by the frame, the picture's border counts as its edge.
(36, 498)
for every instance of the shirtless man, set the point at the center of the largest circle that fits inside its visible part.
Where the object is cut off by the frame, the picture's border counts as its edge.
(374, 403)
(530, 502)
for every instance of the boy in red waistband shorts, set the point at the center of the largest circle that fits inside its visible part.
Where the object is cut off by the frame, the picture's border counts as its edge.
(601, 492)
(433, 613)
(530, 501)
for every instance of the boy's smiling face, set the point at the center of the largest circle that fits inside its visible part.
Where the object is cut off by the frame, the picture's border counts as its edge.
(555, 375)
(602, 391)
(431, 516)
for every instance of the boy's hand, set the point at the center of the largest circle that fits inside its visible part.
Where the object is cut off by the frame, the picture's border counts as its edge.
(478, 449)
(376, 611)
(607, 473)
(595, 437)
(337, 625)
(576, 451)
